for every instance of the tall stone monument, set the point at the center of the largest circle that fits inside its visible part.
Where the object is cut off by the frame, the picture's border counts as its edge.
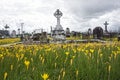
(106, 24)
(58, 33)
(58, 14)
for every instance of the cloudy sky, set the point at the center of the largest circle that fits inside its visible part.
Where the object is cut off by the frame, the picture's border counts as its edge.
(78, 15)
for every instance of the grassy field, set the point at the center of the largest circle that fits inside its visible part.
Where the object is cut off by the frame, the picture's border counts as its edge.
(90, 61)
(9, 40)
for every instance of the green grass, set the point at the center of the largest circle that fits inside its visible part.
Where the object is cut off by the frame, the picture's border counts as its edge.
(84, 62)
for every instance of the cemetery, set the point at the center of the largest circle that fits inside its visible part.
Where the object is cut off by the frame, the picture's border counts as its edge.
(59, 35)
(60, 54)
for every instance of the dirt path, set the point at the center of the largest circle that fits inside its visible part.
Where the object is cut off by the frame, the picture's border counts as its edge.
(4, 45)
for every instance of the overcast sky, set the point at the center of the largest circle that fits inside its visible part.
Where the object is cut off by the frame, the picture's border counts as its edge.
(78, 15)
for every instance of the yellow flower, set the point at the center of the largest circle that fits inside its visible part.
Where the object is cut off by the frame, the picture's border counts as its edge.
(73, 57)
(45, 76)
(63, 74)
(5, 75)
(11, 67)
(1, 55)
(86, 51)
(49, 49)
(31, 59)
(27, 63)
(18, 56)
(67, 53)
(76, 73)
(74, 51)
(21, 56)
(109, 68)
(101, 54)
(91, 50)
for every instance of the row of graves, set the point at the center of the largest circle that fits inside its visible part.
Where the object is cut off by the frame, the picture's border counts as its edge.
(6, 34)
(38, 36)
(99, 33)
(58, 34)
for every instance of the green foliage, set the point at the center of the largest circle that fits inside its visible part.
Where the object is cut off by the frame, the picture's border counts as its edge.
(61, 62)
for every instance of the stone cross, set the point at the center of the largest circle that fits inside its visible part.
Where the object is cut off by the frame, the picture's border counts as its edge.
(106, 23)
(58, 14)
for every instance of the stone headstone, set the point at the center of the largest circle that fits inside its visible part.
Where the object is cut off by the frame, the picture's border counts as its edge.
(98, 32)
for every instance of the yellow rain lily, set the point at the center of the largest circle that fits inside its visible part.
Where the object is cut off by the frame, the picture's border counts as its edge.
(1, 55)
(5, 75)
(76, 73)
(91, 50)
(27, 63)
(101, 54)
(45, 76)
(67, 53)
(11, 67)
(109, 68)
(73, 57)
(63, 74)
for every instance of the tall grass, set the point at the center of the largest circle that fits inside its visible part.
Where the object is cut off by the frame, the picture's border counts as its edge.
(60, 62)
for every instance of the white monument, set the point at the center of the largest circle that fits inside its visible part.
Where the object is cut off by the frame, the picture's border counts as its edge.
(58, 33)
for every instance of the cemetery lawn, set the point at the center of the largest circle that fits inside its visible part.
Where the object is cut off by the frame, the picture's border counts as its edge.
(90, 61)
(9, 40)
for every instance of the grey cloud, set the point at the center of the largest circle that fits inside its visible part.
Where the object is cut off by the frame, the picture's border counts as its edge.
(85, 11)
(77, 14)
(92, 8)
